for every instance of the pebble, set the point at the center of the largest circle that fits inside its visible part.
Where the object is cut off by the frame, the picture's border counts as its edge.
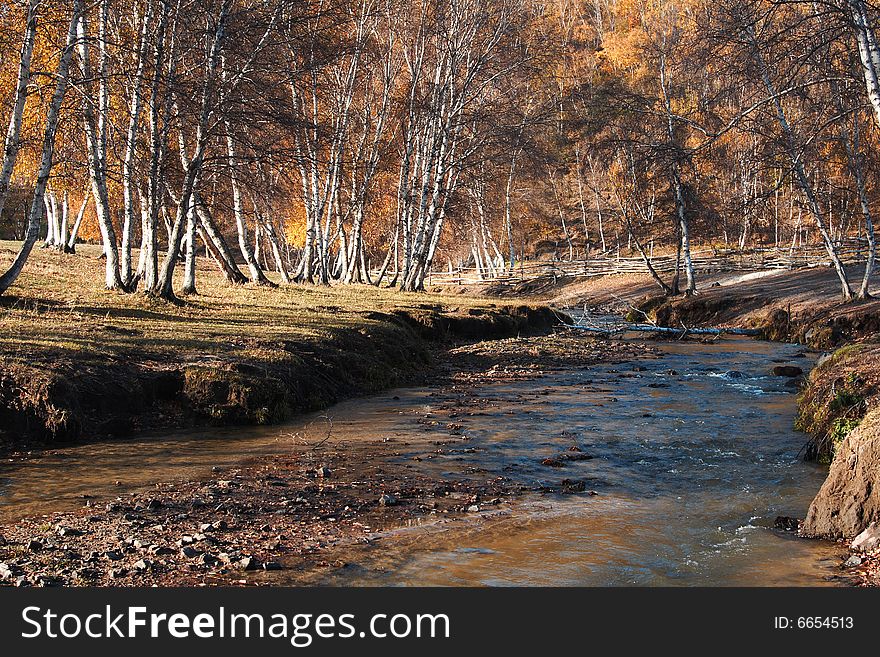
(142, 566)
(853, 561)
(189, 552)
(868, 540)
(248, 563)
(34, 545)
(387, 500)
(68, 531)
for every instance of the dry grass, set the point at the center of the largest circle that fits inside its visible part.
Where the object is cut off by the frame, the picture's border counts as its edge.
(78, 361)
(58, 307)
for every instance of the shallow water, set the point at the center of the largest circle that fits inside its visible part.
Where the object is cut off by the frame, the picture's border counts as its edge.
(694, 457)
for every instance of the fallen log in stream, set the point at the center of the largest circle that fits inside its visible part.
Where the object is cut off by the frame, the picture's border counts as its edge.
(680, 332)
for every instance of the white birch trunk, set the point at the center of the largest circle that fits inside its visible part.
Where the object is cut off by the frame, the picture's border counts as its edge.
(13, 133)
(48, 150)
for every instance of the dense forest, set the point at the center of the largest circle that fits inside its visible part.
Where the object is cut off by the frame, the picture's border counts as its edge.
(371, 141)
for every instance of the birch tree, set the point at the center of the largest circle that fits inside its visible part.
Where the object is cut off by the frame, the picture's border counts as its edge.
(62, 74)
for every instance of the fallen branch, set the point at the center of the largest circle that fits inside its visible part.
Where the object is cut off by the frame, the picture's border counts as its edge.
(650, 328)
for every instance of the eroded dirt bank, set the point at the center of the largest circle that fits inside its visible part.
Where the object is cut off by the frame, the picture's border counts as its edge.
(50, 398)
(840, 409)
(288, 511)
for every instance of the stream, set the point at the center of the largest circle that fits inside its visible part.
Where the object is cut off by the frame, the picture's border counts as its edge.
(694, 456)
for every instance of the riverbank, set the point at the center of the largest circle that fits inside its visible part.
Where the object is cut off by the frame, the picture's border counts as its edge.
(78, 363)
(839, 397)
(323, 491)
(258, 356)
(801, 305)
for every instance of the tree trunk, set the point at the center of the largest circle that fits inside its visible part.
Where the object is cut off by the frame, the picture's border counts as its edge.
(94, 128)
(48, 150)
(13, 133)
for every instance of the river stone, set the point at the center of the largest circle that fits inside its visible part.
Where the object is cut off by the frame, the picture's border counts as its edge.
(789, 371)
(853, 561)
(248, 563)
(142, 565)
(849, 500)
(868, 540)
(387, 500)
(786, 524)
(68, 531)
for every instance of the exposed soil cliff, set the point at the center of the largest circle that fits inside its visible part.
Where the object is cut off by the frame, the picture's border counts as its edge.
(60, 398)
(850, 497)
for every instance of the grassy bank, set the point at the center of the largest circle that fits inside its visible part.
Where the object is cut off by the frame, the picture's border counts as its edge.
(840, 391)
(79, 362)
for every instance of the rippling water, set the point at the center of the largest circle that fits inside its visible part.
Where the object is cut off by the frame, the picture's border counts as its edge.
(693, 458)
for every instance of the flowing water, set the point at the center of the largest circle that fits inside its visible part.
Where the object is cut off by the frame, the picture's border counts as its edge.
(694, 457)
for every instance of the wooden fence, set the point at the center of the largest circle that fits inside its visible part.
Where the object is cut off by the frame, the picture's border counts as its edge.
(851, 250)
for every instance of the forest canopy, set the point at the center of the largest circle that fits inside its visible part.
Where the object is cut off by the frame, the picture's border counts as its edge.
(371, 141)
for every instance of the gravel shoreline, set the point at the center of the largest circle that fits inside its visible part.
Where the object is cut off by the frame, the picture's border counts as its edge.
(284, 513)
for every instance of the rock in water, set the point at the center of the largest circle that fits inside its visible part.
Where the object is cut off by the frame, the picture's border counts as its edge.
(868, 540)
(849, 500)
(248, 563)
(854, 561)
(790, 371)
(786, 524)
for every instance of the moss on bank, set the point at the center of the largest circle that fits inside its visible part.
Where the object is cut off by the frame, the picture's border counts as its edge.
(840, 391)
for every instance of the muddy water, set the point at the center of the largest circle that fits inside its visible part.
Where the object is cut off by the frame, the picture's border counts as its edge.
(693, 458)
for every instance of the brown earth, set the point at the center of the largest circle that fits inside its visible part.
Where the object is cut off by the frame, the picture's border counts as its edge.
(846, 505)
(80, 363)
(293, 513)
